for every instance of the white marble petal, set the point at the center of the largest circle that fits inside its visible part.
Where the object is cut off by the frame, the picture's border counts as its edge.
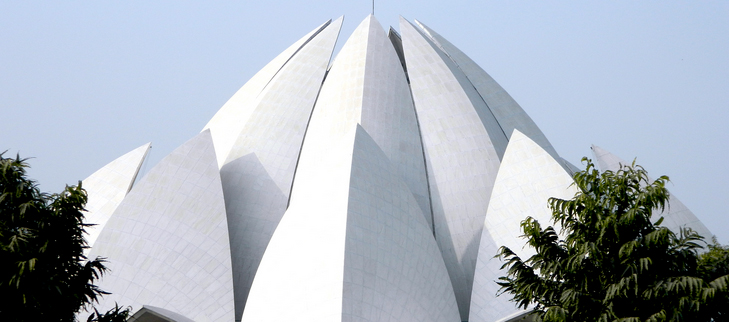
(300, 277)
(353, 246)
(675, 217)
(389, 116)
(367, 85)
(167, 242)
(227, 123)
(107, 187)
(393, 270)
(258, 173)
(463, 146)
(527, 178)
(506, 110)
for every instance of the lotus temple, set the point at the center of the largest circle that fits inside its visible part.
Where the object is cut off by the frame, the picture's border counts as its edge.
(376, 185)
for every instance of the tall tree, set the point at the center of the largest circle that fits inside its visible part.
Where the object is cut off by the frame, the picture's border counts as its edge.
(714, 264)
(610, 261)
(44, 275)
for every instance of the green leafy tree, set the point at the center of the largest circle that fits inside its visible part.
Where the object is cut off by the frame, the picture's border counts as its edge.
(714, 264)
(44, 275)
(609, 261)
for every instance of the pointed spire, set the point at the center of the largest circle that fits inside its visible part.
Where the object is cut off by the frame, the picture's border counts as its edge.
(168, 240)
(107, 187)
(366, 85)
(258, 173)
(227, 123)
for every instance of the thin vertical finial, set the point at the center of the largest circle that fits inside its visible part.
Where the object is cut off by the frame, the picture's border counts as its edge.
(373, 7)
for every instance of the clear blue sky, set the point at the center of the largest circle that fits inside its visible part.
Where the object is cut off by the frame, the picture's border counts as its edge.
(83, 82)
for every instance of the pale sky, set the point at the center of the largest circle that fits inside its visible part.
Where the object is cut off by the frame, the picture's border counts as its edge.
(83, 82)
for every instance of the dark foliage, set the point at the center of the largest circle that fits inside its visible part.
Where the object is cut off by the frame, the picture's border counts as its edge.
(612, 263)
(44, 275)
(714, 264)
(117, 314)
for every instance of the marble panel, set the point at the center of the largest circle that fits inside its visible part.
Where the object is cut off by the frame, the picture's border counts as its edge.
(227, 123)
(260, 166)
(353, 246)
(527, 178)
(107, 187)
(167, 242)
(463, 146)
(393, 270)
(506, 110)
(367, 85)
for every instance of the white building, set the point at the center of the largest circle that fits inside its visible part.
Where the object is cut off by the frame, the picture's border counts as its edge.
(374, 187)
